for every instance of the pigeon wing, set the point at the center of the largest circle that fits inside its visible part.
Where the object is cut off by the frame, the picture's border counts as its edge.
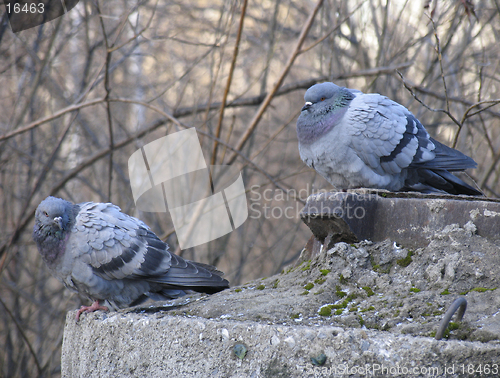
(386, 136)
(118, 246)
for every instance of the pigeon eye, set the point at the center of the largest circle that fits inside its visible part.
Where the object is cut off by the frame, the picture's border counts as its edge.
(46, 214)
(322, 99)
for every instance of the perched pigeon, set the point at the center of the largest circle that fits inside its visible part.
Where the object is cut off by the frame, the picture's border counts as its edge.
(106, 255)
(358, 140)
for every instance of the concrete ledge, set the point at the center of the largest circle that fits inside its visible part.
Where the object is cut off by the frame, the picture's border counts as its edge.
(368, 305)
(161, 345)
(407, 218)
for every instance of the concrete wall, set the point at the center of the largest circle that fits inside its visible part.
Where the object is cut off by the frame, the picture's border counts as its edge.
(161, 345)
(369, 305)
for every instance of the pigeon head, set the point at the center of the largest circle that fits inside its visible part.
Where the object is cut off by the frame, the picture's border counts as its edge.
(326, 104)
(54, 214)
(54, 218)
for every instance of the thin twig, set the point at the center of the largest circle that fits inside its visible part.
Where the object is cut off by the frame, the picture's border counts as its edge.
(136, 34)
(52, 117)
(104, 152)
(248, 101)
(107, 90)
(329, 32)
(41, 70)
(442, 98)
(440, 58)
(229, 79)
(477, 104)
(179, 123)
(260, 112)
(41, 177)
(410, 89)
(25, 338)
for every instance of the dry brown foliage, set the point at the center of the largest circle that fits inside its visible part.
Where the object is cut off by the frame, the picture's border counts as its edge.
(80, 94)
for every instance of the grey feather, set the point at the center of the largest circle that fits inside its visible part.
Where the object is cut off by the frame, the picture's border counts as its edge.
(106, 255)
(358, 140)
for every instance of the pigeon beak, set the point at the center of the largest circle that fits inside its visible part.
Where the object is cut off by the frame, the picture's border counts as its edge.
(58, 221)
(306, 106)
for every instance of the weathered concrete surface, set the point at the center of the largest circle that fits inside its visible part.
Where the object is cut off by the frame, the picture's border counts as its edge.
(374, 303)
(407, 218)
(162, 345)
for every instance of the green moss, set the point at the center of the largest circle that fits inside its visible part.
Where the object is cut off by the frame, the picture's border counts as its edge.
(319, 292)
(371, 308)
(305, 292)
(320, 281)
(324, 272)
(342, 279)
(338, 307)
(309, 286)
(445, 292)
(377, 268)
(482, 289)
(261, 287)
(352, 296)
(437, 313)
(396, 314)
(346, 301)
(238, 290)
(307, 266)
(478, 289)
(368, 290)
(361, 321)
(325, 311)
(415, 290)
(275, 284)
(405, 261)
(452, 327)
(353, 309)
(339, 292)
(295, 316)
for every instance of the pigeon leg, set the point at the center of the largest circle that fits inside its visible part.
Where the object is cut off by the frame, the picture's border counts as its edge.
(95, 306)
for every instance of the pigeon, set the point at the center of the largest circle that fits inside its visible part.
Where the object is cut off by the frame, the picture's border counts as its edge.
(108, 256)
(355, 140)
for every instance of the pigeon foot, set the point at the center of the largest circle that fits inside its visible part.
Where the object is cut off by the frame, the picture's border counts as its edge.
(94, 307)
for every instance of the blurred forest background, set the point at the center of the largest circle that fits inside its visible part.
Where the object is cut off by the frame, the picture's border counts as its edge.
(80, 94)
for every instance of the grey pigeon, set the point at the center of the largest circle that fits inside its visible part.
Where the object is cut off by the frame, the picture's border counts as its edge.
(106, 255)
(358, 140)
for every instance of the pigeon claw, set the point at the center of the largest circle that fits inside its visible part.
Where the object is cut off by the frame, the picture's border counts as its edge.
(94, 307)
